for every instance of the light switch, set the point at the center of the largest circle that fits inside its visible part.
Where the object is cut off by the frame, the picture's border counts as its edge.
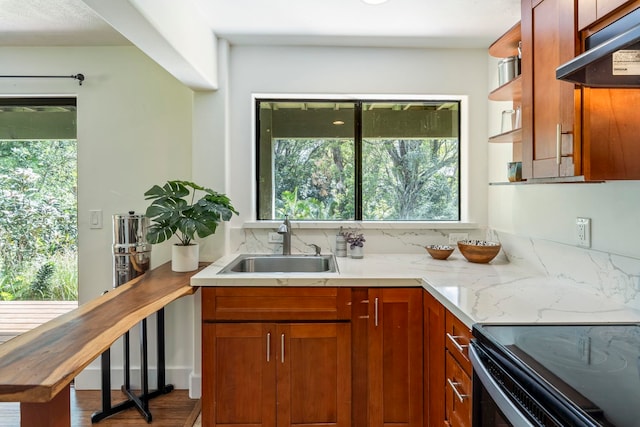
(95, 218)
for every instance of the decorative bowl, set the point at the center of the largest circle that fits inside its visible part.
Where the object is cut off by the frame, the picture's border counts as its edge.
(439, 251)
(478, 251)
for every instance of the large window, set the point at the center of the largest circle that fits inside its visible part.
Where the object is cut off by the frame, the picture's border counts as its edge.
(358, 160)
(38, 203)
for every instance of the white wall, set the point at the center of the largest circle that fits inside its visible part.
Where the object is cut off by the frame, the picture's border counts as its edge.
(335, 70)
(549, 211)
(134, 131)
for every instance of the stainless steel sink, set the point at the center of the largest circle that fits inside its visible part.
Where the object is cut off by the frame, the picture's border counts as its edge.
(251, 263)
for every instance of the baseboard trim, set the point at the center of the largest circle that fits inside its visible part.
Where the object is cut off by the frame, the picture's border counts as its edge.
(195, 386)
(91, 378)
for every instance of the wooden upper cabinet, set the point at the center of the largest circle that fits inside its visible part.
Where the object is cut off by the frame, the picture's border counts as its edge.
(589, 11)
(549, 121)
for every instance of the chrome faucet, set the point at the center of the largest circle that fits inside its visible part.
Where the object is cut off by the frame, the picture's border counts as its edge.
(316, 248)
(285, 230)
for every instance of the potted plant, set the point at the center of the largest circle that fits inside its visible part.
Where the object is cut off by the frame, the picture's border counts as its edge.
(356, 244)
(173, 212)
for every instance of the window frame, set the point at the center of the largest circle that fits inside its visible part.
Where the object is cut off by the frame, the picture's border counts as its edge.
(463, 148)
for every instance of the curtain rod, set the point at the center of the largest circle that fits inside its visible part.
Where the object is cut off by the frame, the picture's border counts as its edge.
(79, 77)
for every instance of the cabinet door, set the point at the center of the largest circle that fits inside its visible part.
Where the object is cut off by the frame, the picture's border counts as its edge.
(458, 394)
(238, 375)
(548, 40)
(434, 362)
(314, 374)
(395, 357)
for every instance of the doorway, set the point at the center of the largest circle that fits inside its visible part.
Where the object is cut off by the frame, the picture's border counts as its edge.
(38, 211)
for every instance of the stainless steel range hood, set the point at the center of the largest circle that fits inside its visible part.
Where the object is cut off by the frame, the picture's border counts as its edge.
(611, 58)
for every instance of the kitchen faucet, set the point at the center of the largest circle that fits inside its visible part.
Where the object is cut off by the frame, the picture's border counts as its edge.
(285, 230)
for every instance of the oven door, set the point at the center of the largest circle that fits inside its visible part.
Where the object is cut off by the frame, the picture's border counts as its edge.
(505, 394)
(491, 405)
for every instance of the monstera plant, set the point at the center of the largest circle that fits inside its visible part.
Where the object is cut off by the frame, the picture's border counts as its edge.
(176, 210)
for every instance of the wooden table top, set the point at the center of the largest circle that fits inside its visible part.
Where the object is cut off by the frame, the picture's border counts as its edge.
(38, 364)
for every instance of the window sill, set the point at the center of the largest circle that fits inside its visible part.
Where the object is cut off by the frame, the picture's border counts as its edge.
(371, 225)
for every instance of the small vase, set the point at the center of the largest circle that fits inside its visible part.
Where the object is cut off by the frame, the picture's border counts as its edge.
(357, 252)
(185, 258)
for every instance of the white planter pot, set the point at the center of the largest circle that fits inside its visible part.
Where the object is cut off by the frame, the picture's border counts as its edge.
(185, 258)
(357, 252)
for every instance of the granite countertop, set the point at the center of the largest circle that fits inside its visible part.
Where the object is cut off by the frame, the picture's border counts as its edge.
(498, 292)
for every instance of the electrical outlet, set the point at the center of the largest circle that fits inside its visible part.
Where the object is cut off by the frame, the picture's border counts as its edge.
(275, 238)
(583, 232)
(455, 237)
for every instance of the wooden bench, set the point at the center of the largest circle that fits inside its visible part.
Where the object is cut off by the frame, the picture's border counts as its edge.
(37, 367)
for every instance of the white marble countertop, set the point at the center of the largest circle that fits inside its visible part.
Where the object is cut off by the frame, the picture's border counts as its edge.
(498, 292)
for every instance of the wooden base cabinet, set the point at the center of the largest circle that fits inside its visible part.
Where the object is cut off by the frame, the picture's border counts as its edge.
(448, 370)
(458, 372)
(388, 381)
(279, 357)
(277, 374)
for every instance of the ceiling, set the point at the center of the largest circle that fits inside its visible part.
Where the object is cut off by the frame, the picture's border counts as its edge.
(396, 23)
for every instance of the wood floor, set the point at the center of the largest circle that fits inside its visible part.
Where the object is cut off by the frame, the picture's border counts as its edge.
(174, 409)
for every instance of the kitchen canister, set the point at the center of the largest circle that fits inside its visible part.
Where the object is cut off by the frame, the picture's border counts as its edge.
(514, 171)
(508, 69)
(131, 251)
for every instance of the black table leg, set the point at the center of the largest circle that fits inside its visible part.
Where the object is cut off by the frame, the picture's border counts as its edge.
(141, 402)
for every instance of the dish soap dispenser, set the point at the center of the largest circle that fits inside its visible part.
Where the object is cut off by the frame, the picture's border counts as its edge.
(341, 244)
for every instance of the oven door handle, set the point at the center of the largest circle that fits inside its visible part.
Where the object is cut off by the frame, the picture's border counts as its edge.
(502, 401)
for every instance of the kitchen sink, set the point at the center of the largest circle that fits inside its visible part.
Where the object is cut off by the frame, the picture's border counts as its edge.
(251, 263)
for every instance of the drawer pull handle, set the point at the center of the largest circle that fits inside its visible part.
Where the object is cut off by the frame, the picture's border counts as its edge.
(454, 340)
(375, 304)
(268, 346)
(454, 386)
(282, 347)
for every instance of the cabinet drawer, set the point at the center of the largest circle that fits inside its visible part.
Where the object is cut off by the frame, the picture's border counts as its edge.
(268, 303)
(458, 394)
(457, 340)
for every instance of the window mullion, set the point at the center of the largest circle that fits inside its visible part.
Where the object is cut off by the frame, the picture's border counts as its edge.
(358, 160)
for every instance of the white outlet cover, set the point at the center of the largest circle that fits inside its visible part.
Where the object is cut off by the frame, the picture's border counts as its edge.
(583, 232)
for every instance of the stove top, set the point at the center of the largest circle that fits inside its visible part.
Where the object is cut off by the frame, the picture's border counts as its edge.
(597, 367)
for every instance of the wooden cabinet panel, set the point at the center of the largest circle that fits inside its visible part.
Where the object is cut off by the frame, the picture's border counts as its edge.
(238, 379)
(548, 40)
(604, 7)
(269, 303)
(314, 374)
(458, 394)
(590, 11)
(395, 357)
(611, 133)
(434, 361)
(458, 336)
(587, 13)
